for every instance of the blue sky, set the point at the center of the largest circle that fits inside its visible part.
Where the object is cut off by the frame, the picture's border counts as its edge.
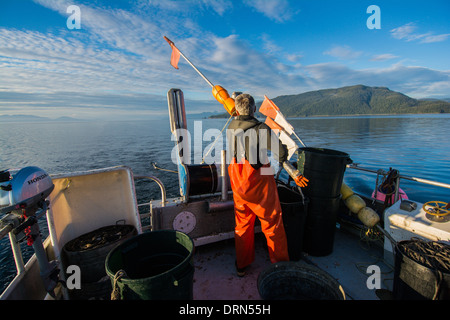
(117, 64)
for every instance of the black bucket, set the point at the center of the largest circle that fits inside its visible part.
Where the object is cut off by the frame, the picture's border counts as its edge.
(298, 281)
(89, 252)
(320, 225)
(294, 210)
(325, 170)
(157, 265)
(419, 276)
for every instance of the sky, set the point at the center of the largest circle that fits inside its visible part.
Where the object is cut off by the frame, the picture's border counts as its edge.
(107, 59)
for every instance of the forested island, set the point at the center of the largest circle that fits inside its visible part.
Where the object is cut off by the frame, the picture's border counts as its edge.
(353, 100)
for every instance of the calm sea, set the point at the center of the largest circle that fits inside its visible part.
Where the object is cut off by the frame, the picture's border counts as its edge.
(416, 145)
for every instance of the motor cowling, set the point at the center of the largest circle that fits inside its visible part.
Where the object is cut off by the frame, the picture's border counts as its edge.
(23, 188)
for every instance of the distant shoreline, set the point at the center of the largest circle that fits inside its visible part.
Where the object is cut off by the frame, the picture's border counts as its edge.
(346, 115)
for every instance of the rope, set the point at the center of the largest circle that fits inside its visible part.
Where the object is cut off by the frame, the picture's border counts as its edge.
(158, 168)
(367, 237)
(115, 294)
(431, 254)
(388, 186)
(212, 145)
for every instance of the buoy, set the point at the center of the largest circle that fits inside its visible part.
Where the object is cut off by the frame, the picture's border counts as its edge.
(358, 206)
(355, 203)
(368, 217)
(346, 191)
(223, 97)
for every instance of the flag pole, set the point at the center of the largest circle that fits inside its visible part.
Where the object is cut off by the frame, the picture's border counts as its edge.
(192, 65)
(299, 139)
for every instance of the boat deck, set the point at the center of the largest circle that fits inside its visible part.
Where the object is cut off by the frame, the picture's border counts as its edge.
(215, 275)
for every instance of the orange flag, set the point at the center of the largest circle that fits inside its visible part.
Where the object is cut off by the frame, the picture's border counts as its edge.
(268, 108)
(175, 57)
(273, 125)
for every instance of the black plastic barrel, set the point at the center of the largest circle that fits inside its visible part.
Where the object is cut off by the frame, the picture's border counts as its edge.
(320, 226)
(325, 170)
(156, 265)
(89, 252)
(288, 280)
(294, 210)
(415, 281)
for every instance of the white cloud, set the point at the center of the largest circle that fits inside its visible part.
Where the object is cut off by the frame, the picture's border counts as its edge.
(219, 6)
(404, 32)
(383, 57)
(435, 38)
(410, 80)
(294, 57)
(277, 10)
(269, 46)
(343, 53)
(119, 61)
(408, 33)
(245, 66)
(185, 6)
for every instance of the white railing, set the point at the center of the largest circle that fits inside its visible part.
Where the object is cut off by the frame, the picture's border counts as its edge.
(400, 176)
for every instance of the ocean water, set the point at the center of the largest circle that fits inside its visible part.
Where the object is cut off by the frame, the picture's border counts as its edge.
(416, 145)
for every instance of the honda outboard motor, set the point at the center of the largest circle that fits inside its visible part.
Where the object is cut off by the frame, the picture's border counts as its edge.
(22, 200)
(24, 189)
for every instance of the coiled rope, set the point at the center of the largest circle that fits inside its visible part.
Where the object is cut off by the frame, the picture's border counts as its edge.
(431, 254)
(115, 294)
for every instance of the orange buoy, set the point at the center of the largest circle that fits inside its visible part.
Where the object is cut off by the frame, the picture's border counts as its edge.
(224, 98)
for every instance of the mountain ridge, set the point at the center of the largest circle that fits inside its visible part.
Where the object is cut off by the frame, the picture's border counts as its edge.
(354, 100)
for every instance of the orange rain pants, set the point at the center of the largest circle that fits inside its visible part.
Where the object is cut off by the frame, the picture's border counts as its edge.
(256, 195)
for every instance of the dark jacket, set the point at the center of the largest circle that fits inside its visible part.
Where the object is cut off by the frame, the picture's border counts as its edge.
(252, 131)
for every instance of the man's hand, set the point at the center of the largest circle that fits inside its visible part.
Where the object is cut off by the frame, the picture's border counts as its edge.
(301, 181)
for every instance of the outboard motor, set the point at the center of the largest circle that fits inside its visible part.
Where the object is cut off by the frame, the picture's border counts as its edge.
(22, 200)
(23, 189)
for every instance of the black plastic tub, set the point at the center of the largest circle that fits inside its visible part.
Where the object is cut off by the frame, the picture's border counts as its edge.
(416, 281)
(289, 280)
(320, 225)
(325, 170)
(294, 210)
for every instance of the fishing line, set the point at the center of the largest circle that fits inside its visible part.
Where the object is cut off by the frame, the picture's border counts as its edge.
(217, 138)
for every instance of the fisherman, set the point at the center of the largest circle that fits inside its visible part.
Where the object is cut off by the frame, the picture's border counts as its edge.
(254, 188)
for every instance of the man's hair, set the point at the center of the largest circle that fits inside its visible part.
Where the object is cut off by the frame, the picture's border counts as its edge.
(245, 104)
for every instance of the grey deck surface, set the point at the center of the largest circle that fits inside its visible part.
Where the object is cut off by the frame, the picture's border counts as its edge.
(215, 276)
